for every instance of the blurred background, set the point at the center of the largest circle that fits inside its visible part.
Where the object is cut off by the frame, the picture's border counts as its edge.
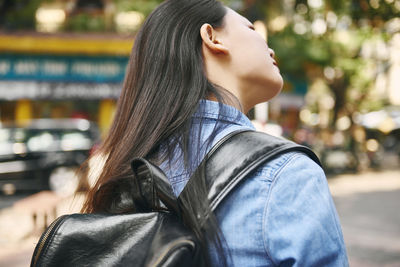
(62, 63)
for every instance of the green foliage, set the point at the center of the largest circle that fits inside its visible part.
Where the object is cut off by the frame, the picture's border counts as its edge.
(143, 6)
(289, 49)
(339, 49)
(294, 51)
(374, 13)
(85, 23)
(21, 14)
(338, 6)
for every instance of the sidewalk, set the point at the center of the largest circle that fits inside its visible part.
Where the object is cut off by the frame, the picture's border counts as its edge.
(369, 209)
(20, 229)
(368, 205)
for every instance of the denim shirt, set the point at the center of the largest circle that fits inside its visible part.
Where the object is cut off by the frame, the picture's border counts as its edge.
(282, 214)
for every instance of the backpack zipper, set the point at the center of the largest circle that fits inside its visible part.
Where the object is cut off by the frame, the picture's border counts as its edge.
(169, 248)
(43, 239)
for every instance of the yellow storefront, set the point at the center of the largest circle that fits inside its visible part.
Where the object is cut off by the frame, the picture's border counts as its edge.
(61, 76)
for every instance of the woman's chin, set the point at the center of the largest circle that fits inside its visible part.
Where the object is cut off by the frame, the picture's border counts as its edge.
(275, 88)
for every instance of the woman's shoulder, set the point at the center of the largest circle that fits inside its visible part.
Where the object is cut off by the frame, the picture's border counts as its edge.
(287, 172)
(248, 208)
(289, 163)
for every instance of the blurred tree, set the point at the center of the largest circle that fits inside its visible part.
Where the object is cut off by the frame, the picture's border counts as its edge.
(89, 5)
(84, 22)
(142, 6)
(86, 16)
(18, 14)
(324, 39)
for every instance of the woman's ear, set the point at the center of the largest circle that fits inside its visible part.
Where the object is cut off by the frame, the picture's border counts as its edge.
(211, 41)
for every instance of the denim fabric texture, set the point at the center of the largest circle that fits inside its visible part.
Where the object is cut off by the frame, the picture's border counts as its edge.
(281, 215)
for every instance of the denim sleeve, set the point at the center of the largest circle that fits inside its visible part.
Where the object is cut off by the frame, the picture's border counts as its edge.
(300, 222)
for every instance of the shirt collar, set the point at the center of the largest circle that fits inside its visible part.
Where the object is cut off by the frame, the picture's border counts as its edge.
(221, 112)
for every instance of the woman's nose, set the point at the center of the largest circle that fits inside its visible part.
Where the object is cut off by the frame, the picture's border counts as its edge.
(271, 52)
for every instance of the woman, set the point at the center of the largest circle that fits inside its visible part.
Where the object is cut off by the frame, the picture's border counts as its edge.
(196, 68)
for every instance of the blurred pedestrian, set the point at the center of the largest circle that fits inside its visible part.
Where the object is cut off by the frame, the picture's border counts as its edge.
(196, 68)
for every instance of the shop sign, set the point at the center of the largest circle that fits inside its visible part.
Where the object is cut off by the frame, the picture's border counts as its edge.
(295, 86)
(12, 90)
(62, 68)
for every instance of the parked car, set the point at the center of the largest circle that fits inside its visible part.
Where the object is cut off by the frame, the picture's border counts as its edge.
(44, 154)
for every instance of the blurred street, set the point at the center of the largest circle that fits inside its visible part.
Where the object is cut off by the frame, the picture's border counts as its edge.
(368, 205)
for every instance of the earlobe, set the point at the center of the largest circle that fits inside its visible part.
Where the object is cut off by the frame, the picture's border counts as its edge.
(210, 39)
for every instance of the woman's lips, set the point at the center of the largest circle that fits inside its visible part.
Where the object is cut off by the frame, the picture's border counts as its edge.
(276, 65)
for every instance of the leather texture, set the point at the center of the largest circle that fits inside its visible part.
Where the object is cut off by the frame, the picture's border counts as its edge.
(143, 239)
(155, 235)
(155, 190)
(230, 161)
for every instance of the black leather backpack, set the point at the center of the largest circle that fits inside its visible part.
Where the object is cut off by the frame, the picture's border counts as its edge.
(155, 235)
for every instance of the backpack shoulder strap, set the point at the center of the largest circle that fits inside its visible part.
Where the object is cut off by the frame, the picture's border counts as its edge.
(234, 157)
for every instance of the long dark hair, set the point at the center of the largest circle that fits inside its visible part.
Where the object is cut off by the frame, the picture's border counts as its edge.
(164, 83)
